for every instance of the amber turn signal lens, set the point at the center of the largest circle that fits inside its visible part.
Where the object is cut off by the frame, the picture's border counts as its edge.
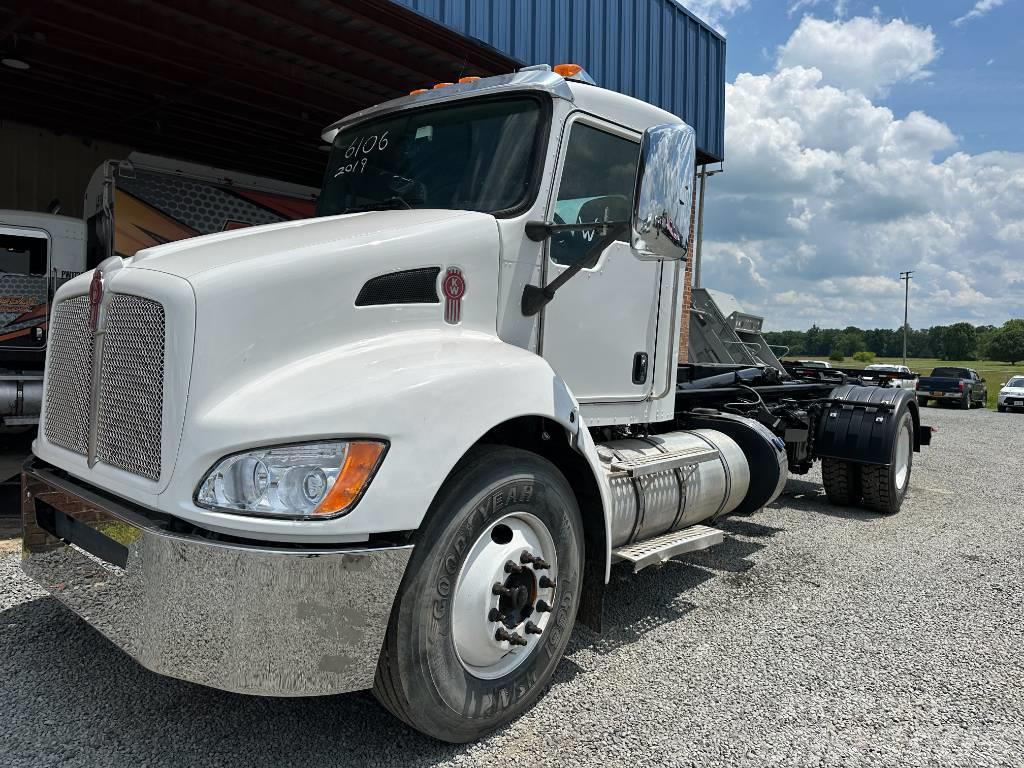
(361, 462)
(418, 90)
(442, 85)
(468, 79)
(567, 70)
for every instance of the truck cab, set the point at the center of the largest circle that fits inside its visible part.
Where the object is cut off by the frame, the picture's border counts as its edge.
(399, 446)
(39, 252)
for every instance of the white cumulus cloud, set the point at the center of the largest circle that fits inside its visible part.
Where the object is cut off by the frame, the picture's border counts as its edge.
(828, 196)
(862, 53)
(980, 9)
(715, 12)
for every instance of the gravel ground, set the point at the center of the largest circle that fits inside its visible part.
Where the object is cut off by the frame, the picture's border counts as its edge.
(813, 636)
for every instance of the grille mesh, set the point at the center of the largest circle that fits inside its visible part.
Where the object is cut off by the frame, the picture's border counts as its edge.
(69, 364)
(129, 418)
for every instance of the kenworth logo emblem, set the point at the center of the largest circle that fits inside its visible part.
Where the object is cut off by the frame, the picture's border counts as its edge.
(95, 299)
(454, 286)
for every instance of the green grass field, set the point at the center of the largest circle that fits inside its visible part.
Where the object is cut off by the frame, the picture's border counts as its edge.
(993, 372)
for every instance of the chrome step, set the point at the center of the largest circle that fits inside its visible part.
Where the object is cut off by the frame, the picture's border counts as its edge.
(661, 462)
(662, 548)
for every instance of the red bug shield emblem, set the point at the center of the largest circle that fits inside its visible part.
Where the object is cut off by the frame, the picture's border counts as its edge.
(95, 299)
(454, 287)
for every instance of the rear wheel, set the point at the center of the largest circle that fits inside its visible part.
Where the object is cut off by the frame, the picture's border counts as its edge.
(886, 487)
(489, 599)
(842, 482)
(965, 404)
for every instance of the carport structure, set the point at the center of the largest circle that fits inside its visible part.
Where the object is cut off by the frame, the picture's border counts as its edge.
(249, 84)
(246, 84)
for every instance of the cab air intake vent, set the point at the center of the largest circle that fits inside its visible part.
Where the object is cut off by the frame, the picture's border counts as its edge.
(410, 286)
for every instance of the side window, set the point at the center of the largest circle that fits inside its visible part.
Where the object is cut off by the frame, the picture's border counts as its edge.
(598, 177)
(23, 255)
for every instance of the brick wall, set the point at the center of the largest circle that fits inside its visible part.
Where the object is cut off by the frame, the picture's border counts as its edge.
(684, 320)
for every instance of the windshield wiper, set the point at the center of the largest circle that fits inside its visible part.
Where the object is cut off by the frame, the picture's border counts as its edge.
(390, 204)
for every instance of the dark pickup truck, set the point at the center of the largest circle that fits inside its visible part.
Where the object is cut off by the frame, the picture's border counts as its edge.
(961, 386)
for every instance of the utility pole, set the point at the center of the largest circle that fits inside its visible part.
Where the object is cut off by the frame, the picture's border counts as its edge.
(905, 276)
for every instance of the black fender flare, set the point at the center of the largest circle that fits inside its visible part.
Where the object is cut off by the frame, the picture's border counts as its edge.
(858, 424)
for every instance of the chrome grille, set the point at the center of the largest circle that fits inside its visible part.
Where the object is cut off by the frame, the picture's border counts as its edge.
(129, 417)
(69, 374)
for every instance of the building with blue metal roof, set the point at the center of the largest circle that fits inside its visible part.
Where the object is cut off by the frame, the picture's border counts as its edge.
(654, 50)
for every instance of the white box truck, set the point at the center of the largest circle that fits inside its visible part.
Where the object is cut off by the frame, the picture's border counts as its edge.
(399, 446)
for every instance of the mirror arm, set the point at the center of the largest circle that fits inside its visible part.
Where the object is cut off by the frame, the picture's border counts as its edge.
(539, 231)
(534, 297)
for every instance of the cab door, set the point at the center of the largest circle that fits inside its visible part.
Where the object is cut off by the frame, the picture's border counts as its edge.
(600, 331)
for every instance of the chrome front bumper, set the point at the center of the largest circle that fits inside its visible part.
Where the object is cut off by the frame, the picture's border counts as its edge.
(266, 620)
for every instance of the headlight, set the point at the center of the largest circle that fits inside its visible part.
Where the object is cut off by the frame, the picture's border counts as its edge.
(307, 480)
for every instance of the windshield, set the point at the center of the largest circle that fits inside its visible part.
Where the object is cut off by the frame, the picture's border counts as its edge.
(478, 155)
(950, 373)
(1017, 382)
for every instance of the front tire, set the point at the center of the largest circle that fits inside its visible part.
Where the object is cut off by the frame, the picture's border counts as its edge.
(502, 542)
(886, 487)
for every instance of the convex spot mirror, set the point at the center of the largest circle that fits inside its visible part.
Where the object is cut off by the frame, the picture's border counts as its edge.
(660, 225)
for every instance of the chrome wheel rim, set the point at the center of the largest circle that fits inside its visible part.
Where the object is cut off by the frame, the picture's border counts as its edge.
(503, 595)
(904, 446)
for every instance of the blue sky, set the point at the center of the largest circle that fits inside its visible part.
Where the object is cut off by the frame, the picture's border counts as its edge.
(983, 103)
(863, 139)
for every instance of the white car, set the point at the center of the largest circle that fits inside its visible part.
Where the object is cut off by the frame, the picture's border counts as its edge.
(816, 364)
(903, 378)
(1011, 396)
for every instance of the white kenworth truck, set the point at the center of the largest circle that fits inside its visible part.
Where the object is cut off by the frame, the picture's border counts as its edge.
(399, 446)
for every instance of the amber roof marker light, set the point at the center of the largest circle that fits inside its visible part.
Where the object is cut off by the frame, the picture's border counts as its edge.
(573, 72)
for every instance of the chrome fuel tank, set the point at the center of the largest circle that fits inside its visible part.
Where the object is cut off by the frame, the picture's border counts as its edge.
(659, 501)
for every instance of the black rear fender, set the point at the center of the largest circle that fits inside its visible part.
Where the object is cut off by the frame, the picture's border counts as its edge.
(858, 424)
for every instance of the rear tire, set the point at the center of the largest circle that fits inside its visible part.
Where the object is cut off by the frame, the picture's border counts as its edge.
(842, 482)
(965, 404)
(886, 487)
(442, 669)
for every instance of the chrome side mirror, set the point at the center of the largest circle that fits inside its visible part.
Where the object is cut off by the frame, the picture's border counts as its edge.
(664, 192)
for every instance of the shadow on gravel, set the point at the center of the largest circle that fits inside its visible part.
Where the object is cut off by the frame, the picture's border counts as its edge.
(729, 556)
(636, 604)
(807, 496)
(71, 697)
(742, 527)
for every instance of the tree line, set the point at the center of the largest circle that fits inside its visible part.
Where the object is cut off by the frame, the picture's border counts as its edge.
(959, 341)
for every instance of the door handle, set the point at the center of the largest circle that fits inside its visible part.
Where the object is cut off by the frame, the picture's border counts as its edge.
(640, 368)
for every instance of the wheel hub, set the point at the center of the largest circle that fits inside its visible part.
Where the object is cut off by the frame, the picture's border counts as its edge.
(503, 595)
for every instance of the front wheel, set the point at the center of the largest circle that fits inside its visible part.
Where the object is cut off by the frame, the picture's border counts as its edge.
(885, 487)
(487, 604)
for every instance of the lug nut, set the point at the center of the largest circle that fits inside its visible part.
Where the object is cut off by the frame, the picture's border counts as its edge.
(495, 615)
(532, 629)
(545, 583)
(513, 567)
(538, 563)
(512, 638)
(543, 607)
(501, 590)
